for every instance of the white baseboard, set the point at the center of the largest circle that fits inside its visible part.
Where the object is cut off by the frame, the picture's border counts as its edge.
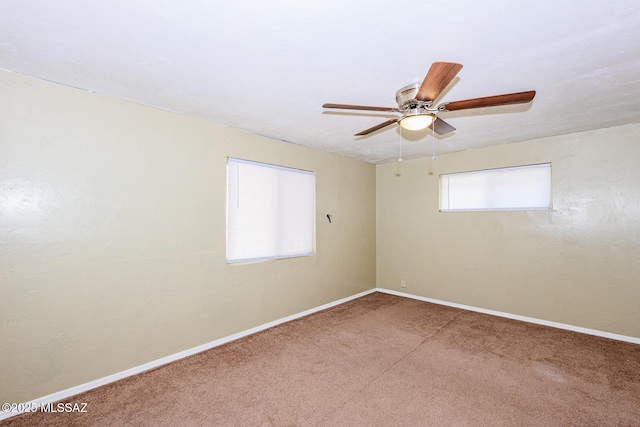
(64, 394)
(517, 317)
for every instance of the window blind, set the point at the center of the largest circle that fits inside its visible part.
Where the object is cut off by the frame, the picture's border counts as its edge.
(270, 211)
(513, 188)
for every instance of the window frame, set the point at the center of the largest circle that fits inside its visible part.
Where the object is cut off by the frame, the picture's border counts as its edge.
(275, 226)
(445, 198)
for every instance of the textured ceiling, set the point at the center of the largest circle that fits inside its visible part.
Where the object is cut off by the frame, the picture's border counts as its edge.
(268, 66)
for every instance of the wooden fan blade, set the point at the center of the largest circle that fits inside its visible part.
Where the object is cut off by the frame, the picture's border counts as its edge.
(489, 101)
(376, 127)
(438, 77)
(441, 127)
(359, 107)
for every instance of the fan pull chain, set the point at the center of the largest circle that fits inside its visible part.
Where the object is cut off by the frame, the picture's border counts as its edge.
(433, 140)
(400, 146)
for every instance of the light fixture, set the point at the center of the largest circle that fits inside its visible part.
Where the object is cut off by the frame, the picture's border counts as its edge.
(417, 121)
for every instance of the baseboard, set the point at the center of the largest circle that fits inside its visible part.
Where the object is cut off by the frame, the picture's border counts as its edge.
(64, 394)
(516, 317)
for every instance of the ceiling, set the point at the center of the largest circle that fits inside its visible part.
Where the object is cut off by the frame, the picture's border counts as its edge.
(267, 66)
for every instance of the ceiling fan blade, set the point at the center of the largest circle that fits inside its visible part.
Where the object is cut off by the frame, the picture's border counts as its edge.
(359, 107)
(441, 127)
(438, 77)
(376, 127)
(489, 101)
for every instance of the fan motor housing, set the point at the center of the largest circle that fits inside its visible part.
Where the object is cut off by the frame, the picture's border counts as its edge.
(406, 98)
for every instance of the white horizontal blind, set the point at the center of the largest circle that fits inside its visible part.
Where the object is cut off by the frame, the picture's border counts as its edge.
(270, 211)
(514, 188)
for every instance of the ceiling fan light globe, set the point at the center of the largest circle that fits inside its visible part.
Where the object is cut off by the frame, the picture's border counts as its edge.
(417, 122)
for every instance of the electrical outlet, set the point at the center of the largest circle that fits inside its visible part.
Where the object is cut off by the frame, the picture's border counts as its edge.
(403, 284)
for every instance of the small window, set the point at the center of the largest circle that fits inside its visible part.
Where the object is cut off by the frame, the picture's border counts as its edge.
(270, 211)
(514, 188)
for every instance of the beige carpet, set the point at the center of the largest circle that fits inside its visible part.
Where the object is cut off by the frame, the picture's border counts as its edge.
(381, 360)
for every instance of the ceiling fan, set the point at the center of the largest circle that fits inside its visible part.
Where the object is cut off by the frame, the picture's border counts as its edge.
(416, 102)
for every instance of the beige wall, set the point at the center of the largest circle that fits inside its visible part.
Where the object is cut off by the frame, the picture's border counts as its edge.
(112, 236)
(578, 264)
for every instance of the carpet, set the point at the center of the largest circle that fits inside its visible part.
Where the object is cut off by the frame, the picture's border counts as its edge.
(380, 360)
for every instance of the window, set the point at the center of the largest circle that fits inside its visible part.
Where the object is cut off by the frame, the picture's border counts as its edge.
(514, 188)
(270, 211)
